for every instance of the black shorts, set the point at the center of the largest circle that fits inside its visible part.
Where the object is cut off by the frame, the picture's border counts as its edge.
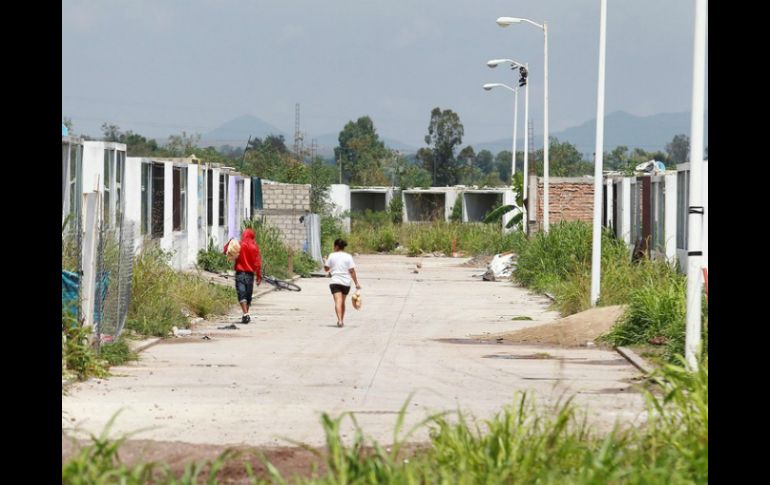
(244, 285)
(339, 289)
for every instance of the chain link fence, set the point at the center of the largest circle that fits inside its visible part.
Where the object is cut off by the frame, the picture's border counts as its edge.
(114, 274)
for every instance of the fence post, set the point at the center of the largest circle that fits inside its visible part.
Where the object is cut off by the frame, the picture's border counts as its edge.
(90, 235)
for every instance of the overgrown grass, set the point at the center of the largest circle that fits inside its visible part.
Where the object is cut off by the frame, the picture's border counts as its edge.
(78, 355)
(373, 232)
(559, 262)
(520, 444)
(275, 255)
(162, 296)
(117, 353)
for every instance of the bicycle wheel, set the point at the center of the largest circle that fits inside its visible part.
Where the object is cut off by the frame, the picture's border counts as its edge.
(267, 279)
(285, 285)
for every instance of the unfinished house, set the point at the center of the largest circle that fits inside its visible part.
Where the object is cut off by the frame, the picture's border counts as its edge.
(652, 210)
(375, 199)
(183, 204)
(286, 207)
(477, 203)
(103, 171)
(339, 199)
(431, 204)
(71, 178)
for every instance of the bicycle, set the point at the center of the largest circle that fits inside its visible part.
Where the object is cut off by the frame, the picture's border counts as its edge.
(279, 284)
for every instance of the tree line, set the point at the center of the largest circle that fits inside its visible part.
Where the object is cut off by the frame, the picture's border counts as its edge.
(363, 159)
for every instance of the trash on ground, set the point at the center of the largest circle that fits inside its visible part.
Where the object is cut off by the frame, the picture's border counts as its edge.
(228, 327)
(205, 337)
(501, 267)
(181, 332)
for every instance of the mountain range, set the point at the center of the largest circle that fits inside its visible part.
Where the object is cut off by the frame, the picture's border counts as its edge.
(620, 128)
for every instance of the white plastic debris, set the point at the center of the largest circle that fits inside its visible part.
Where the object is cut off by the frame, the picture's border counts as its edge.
(180, 332)
(501, 267)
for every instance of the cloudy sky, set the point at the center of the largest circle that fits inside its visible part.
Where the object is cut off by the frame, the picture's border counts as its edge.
(164, 66)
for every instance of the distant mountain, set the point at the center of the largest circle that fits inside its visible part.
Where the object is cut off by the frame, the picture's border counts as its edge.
(237, 131)
(650, 133)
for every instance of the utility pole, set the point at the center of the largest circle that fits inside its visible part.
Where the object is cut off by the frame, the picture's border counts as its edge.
(243, 158)
(297, 134)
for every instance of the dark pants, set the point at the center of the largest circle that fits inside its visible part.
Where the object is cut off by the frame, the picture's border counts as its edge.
(244, 285)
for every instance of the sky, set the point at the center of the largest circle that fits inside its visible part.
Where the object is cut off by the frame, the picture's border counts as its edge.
(159, 67)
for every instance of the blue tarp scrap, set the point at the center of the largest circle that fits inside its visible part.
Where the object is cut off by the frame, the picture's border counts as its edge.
(70, 285)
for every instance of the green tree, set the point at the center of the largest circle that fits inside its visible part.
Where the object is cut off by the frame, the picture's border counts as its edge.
(678, 149)
(467, 172)
(415, 176)
(485, 161)
(503, 166)
(110, 132)
(445, 132)
(183, 145)
(492, 179)
(362, 153)
(617, 159)
(67, 121)
(139, 146)
(564, 160)
(321, 175)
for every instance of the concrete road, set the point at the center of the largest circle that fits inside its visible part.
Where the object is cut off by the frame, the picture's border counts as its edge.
(271, 379)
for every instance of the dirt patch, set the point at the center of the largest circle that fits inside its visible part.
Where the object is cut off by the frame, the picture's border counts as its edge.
(481, 261)
(290, 461)
(572, 331)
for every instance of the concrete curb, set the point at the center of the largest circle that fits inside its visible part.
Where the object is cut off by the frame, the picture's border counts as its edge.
(636, 360)
(140, 345)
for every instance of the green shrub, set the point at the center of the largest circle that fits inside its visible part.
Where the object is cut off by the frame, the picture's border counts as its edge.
(161, 295)
(78, 355)
(457, 210)
(213, 259)
(396, 207)
(117, 352)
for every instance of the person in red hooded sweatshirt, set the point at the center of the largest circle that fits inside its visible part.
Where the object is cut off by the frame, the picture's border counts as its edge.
(248, 267)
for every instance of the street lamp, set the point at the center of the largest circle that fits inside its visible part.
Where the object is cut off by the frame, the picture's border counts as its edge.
(494, 63)
(596, 247)
(505, 22)
(515, 118)
(696, 210)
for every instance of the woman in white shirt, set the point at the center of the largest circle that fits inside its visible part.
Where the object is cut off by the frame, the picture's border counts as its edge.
(343, 272)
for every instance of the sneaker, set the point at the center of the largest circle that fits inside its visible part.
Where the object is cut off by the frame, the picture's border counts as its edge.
(245, 319)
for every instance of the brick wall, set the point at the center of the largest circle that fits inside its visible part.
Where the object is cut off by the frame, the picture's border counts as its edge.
(284, 204)
(570, 199)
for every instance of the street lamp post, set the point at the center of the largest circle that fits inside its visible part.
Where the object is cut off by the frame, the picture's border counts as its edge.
(525, 76)
(515, 91)
(696, 210)
(596, 249)
(505, 22)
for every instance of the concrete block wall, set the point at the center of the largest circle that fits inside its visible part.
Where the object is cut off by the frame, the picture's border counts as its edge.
(283, 205)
